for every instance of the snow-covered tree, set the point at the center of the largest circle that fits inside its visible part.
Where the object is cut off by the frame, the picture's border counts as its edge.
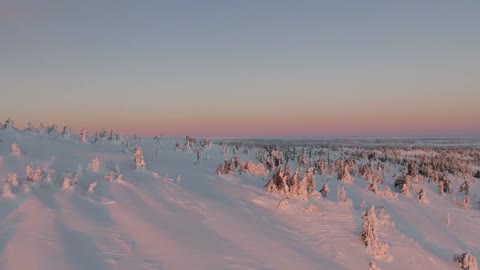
(466, 261)
(342, 196)
(251, 168)
(325, 189)
(66, 132)
(305, 186)
(403, 185)
(37, 174)
(30, 127)
(92, 186)
(29, 173)
(69, 179)
(375, 247)
(465, 188)
(7, 191)
(278, 183)
(51, 130)
(422, 196)
(16, 150)
(9, 124)
(84, 135)
(139, 159)
(12, 179)
(226, 168)
(373, 187)
(95, 165)
(466, 202)
(344, 175)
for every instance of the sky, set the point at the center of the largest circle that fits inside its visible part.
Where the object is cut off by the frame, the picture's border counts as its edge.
(243, 67)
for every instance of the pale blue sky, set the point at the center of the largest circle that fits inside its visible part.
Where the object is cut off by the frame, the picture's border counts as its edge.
(197, 66)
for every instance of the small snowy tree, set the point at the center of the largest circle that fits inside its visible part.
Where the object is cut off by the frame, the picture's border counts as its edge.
(139, 159)
(375, 247)
(69, 180)
(403, 185)
(9, 124)
(83, 135)
(342, 196)
(422, 196)
(16, 150)
(30, 127)
(325, 189)
(66, 132)
(441, 188)
(278, 183)
(37, 174)
(373, 187)
(7, 191)
(12, 179)
(465, 188)
(95, 165)
(344, 175)
(29, 174)
(92, 186)
(466, 261)
(466, 202)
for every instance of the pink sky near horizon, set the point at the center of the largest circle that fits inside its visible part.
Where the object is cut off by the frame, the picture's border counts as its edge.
(252, 68)
(308, 123)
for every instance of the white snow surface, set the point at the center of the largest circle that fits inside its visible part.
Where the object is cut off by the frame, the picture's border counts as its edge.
(177, 215)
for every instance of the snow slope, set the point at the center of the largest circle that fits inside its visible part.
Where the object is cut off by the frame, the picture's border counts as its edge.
(177, 215)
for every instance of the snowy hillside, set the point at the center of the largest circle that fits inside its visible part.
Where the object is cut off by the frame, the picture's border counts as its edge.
(72, 205)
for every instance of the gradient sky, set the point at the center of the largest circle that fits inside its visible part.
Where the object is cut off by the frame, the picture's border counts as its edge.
(244, 67)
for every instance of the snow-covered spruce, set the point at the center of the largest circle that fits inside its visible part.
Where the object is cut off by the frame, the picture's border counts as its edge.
(139, 159)
(325, 190)
(376, 248)
(466, 261)
(9, 124)
(278, 183)
(403, 185)
(373, 187)
(92, 186)
(283, 204)
(465, 188)
(7, 191)
(12, 179)
(225, 168)
(342, 196)
(465, 203)
(95, 165)
(16, 150)
(344, 175)
(69, 179)
(422, 196)
(66, 132)
(84, 136)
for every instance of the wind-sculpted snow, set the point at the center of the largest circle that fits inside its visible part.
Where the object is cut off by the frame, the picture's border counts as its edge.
(68, 204)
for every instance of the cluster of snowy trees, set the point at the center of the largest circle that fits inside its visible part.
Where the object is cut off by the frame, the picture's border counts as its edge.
(295, 186)
(237, 165)
(412, 169)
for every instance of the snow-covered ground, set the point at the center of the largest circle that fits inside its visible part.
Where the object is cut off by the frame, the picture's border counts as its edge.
(177, 214)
